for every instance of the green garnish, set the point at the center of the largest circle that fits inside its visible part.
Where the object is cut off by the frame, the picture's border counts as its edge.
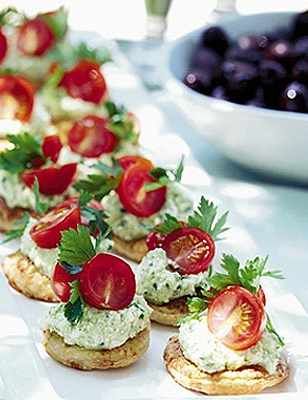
(97, 185)
(164, 176)
(205, 219)
(120, 123)
(10, 16)
(248, 276)
(18, 230)
(26, 148)
(73, 309)
(270, 328)
(168, 225)
(41, 207)
(196, 306)
(57, 21)
(76, 247)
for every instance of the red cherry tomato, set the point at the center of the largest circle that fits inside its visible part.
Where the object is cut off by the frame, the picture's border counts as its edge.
(90, 137)
(35, 37)
(3, 46)
(16, 98)
(85, 81)
(60, 282)
(133, 196)
(51, 180)
(127, 161)
(191, 248)
(107, 281)
(154, 240)
(47, 232)
(236, 317)
(51, 147)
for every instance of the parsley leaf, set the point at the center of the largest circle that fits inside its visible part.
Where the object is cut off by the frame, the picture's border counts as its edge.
(114, 170)
(178, 172)
(168, 225)
(121, 123)
(25, 149)
(196, 306)
(41, 207)
(205, 218)
(73, 309)
(97, 185)
(76, 246)
(248, 276)
(10, 16)
(18, 230)
(84, 198)
(57, 21)
(164, 176)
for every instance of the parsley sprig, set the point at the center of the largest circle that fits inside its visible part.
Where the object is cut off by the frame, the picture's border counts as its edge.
(73, 309)
(11, 16)
(41, 207)
(195, 305)
(57, 21)
(164, 176)
(248, 276)
(25, 149)
(204, 218)
(18, 229)
(120, 123)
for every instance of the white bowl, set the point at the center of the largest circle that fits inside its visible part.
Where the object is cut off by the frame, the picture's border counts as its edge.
(267, 141)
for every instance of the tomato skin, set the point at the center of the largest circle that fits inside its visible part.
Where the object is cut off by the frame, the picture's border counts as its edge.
(261, 295)
(128, 161)
(3, 46)
(20, 93)
(85, 81)
(90, 137)
(107, 281)
(247, 312)
(52, 180)
(134, 198)
(154, 240)
(47, 232)
(60, 282)
(35, 37)
(191, 248)
(51, 147)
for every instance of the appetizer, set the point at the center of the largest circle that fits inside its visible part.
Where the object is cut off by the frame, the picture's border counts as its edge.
(176, 267)
(26, 43)
(30, 268)
(228, 344)
(94, 137)
(29, 175)
(135, 196)
(19, 108)
(101, 323)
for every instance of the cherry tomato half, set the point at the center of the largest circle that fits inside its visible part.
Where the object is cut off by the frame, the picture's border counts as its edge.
(133, 196)
(16, 98)
(51, 147)
(3, 46)
(127, 161)
(90, 137)
(236, 317)
(154, 240)
(107, 281)
(60, 282)
(191, 248)
(35, 37)
(51, 180)
(85, 81)
(47, 232)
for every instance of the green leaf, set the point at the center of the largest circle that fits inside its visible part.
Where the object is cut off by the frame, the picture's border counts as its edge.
(270, 328)
(159, 173)
(76, 246)
(84, 198)
(115, 170)
(100, 55)
(10, 16)
(57, 21)
(18, 230)
(179, 170)
(73, 309)
(168, 225)
(26, 148)
(196, 305)
(41, 207)
(112, 109)
(205, 219)
(97, 185)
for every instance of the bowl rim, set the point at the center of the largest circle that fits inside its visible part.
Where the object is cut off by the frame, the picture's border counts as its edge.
(266, 112)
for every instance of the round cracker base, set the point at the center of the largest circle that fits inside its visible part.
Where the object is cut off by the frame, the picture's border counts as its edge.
(247, 380)
(24, 277)
(170, 313)
(80, 358)
(134, 250)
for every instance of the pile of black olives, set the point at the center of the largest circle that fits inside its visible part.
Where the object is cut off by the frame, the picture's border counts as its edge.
(267, 70)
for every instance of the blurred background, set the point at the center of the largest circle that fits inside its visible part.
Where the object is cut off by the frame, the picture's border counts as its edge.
(126, 22)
